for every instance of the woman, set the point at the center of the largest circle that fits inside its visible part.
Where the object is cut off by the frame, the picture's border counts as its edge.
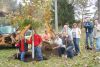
(60, 46)
(46, 36)
(97, 35)
(76, 32)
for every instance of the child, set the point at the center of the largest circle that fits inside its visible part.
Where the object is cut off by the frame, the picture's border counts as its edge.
(23, 47)
(76, 32)
(97, 35)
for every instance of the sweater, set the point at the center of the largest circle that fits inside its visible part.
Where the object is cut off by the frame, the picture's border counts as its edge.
(96, 32)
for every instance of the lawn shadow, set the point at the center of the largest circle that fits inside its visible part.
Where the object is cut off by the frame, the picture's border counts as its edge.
(28, 57)
(6, 47)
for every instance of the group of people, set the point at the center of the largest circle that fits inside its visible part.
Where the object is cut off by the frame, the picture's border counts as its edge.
(36, 48)
(92, 31)
(67, 41)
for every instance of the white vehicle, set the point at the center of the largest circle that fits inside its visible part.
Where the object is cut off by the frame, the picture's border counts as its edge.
(28, 34)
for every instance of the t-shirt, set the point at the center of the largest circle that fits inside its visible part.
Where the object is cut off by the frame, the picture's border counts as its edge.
(59, 42)
(76, 32)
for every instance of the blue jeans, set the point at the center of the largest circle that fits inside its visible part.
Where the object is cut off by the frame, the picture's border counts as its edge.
(98, 44)
(76, 44)
(89, 37)
(38, 53)
(70, 52)
(22, 55)
(61, 50)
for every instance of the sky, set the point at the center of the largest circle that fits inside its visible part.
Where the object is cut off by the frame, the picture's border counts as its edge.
(18, 1)
(91, 9)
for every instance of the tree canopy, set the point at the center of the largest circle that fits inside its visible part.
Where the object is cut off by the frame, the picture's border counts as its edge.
(65, 12)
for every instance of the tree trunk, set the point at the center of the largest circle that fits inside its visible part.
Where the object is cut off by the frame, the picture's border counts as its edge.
(99, 11)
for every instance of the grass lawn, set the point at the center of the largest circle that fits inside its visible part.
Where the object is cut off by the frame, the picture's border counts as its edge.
(85, 59)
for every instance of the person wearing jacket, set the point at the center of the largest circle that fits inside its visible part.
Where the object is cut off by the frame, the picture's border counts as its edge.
(89, 34)
(37, 46)
(76, 32)
(97, 35)
(67, 30)
(23, 48)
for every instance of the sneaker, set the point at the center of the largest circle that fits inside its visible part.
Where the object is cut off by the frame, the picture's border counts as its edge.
(87, 47)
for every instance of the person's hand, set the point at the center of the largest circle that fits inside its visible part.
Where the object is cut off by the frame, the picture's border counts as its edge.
(40, 45)
(54, 48)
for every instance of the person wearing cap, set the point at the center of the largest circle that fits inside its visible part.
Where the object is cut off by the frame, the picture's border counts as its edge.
(88, 25)
(37, 46)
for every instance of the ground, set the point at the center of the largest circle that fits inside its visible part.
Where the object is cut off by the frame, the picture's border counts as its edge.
(86, 58)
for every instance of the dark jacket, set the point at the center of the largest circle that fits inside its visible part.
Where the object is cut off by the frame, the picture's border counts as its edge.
(88, 27)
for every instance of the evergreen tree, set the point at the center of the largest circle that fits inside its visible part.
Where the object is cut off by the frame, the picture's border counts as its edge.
(65, 12)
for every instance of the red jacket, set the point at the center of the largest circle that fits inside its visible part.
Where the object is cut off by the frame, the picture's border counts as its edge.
(21, 46)
(37, 40)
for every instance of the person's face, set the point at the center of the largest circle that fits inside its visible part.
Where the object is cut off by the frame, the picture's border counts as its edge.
(85, 20)
(57, 36)
(96, 22)
(65, 26)
(64, 34)
(75, 25)
(45, 32)
(88, 19)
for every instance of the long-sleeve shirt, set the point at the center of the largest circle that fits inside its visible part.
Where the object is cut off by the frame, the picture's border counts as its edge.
(96, 31)
(88, 27)
(68, 31)
(21, 45)
(37, 40)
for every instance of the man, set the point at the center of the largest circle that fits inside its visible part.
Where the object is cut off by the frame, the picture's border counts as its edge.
(89, 33)
(37, 46)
